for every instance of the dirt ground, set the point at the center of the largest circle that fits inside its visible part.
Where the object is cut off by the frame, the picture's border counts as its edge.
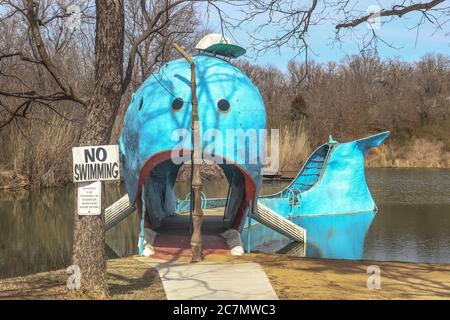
(303, 278)
(292, 278)
(127, 279)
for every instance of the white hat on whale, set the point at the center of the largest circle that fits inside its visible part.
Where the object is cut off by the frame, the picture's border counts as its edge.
(218, 44)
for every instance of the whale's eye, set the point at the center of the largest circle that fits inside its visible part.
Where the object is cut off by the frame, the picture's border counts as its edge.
(223, 105)
(177, 104)
(141, 103)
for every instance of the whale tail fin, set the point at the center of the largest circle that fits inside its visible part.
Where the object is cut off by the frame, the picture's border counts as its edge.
(373, 141)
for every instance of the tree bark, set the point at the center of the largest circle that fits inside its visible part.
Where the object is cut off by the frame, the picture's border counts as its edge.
(89, 231)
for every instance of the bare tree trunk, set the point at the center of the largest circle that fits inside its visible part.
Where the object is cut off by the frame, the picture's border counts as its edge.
(89, 231)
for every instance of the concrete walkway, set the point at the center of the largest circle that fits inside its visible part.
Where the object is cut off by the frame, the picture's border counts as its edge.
(211, 280)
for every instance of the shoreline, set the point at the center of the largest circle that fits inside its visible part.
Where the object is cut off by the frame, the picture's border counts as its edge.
(291, 277)
(11, 182)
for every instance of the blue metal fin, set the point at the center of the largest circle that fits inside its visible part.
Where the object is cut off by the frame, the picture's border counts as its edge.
(373, 141)
(331, 140)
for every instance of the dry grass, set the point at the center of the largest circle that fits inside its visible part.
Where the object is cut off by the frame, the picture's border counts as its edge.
(127, 279)
(292, 278)
(39, 154)
(305, 278)
(11, 180)
(295, 278)
(418, 153)
(294, 146)
(41, 151)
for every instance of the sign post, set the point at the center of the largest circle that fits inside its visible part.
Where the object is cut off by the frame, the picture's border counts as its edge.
(91, 165)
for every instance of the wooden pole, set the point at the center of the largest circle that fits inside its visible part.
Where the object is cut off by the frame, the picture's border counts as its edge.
(196, 160)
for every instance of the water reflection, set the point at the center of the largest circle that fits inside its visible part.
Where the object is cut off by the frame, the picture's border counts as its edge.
(413, 222)
(415, 232)
(35, 230)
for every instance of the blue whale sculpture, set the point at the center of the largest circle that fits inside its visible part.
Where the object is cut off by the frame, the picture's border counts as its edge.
(329, 197)
(152, 144)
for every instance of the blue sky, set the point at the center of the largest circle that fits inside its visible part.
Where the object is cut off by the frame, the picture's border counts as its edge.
(320, 39)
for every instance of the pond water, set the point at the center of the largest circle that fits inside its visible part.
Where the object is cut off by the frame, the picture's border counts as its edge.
(412, 224)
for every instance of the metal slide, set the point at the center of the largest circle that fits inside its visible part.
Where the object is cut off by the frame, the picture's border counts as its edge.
(263, 214)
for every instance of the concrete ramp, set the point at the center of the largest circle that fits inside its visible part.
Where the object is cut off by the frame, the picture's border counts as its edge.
(213, 280)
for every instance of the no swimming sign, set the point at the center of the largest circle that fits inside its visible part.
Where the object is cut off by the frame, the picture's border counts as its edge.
(91, 165)
(96, 163)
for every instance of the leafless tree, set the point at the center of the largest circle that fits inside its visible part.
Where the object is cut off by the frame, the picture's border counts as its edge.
(45, 42)
(57, 45)
(44, 45)
(286, 23)
(46, 64)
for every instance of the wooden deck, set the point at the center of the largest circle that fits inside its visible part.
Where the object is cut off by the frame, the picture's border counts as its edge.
(173, 240)
(179, 224)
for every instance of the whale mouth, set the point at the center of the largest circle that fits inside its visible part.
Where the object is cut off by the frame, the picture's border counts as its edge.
(155, 191)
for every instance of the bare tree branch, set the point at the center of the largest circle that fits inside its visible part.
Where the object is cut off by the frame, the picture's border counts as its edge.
(152, 27)
(32, 8)
(396, 10)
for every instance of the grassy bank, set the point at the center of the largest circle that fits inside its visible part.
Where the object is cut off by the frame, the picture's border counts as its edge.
(38, 154)
(429, 148)
(292, 278)
(127, 279)
(350, 99)
(46, 160)
(418, 153)
(300, 278)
